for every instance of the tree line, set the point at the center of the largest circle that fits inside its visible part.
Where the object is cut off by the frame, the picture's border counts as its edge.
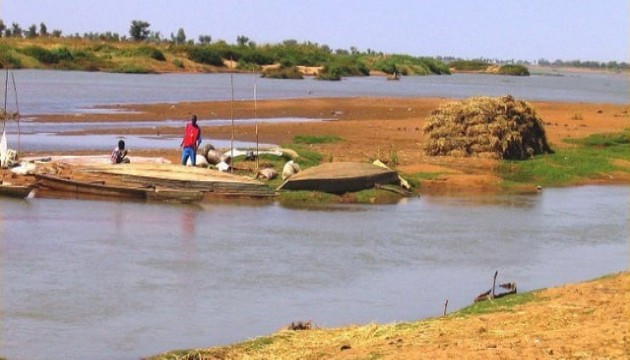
(289, 53)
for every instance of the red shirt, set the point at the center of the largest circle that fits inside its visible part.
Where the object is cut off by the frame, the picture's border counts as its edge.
(192, 136)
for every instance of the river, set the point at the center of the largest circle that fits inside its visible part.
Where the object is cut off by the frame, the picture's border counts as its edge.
(121, 280)
(115, 280)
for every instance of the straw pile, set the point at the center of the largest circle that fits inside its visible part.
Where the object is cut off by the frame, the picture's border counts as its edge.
(499, 128)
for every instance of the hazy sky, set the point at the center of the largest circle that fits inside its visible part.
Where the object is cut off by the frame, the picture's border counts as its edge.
(505, 29)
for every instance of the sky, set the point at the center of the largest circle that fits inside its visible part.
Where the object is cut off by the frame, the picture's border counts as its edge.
(594, 30)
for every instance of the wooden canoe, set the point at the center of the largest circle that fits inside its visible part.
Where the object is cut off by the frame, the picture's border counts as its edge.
(97, 188)
(211, 182)
(16, 191)
(340, 177)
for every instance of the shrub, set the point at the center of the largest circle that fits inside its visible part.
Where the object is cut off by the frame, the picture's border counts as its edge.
(204, 55)
(343, 66)
(469, 65)
(516, 70)
(283, 72)
(144, 51)
(8, 59)
(40, 54)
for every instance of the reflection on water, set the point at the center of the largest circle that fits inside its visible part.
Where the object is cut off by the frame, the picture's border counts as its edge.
(123, 280)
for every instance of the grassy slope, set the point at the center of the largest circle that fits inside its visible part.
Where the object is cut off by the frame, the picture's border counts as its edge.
(565, 322)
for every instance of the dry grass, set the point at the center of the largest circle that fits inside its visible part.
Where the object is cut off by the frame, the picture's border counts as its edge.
(587, 321)
(500, 127)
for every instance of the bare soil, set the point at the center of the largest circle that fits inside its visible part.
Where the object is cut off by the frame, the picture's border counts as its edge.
(371, 128)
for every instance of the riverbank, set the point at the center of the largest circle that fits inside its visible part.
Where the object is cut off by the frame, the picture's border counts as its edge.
(389, 129)
(589, 320)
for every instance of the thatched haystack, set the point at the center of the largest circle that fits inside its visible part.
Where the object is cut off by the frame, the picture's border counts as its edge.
(491, 127)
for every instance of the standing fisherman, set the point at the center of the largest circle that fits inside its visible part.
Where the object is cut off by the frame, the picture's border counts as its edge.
(191, 141)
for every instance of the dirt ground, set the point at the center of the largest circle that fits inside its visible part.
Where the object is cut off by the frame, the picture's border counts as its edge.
(371, 128)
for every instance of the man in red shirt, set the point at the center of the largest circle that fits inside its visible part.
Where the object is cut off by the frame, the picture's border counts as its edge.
(191, 141)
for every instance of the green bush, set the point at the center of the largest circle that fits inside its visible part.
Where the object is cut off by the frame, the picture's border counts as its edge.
(144, 51)
(516, 70)
(40, 54)
(469, 65)
(204, 55)
(409, 65)
(343, 66)
(8, 59)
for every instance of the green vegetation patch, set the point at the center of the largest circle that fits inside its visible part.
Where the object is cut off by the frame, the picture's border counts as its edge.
(133, 69)
(309, 198)
(408, 65)
(205, 55)
(308, 139)
(593, 157)
(143, 51)
(283, 72)
(343, 66)
(46, 56)
(469, 65)
(8, 57)
(515, 70)
(506, 303)
(307, 158)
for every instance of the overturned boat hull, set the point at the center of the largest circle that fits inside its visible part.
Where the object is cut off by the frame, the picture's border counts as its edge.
(340, 177)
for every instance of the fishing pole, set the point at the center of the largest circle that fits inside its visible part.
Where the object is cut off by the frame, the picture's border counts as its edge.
(6, 90)
(17, 110)
(256, 120)
(232, 118)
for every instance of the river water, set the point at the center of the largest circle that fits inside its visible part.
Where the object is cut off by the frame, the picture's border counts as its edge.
(72, 92)
(49, 92)
(116, 280)
(121, 280)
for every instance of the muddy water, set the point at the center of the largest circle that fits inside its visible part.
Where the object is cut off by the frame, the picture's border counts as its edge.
(111, 280)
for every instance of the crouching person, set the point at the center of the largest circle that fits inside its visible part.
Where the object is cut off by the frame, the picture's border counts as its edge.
(119, 155)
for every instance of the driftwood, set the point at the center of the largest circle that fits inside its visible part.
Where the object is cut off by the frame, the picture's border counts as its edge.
(510, 288)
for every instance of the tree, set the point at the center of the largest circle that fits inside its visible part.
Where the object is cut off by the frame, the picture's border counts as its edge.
(139, 30)
(43, 30)
(16, 30)
(31, 32)
(180, 38)
(205, 39)
(3, 27)
(242, 40)
(56, 33)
